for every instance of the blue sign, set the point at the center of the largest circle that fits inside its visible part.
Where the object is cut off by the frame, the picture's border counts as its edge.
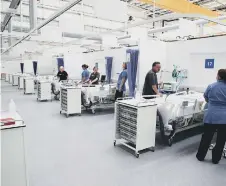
(209, 63)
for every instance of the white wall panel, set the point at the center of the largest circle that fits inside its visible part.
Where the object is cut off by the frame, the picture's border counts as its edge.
(191, 55)
(197, 67)
(150, 51)
(74, 61)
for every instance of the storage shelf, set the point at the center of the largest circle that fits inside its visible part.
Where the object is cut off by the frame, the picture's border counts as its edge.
(135, 124)
(70, 98)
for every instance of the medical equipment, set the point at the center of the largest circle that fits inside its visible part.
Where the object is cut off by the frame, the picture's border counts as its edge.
(42, 78)
(10, 78)
(178, 76)
(44, 90)
(170, 87)
(7, 78)
(29, 85)
(135, 124)
(21, 80)
(3, 76)
(70, 100)
(15, 79)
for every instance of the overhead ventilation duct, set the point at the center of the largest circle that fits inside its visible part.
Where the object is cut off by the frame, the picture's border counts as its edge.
(174, 27)
(182, 6)
(163, 29)
(89, 36)
(79, 36)
(45, 22)
(13, 5)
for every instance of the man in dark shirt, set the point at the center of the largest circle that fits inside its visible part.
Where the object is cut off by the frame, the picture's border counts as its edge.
(94, 76)
(151, 81)
(62, 75)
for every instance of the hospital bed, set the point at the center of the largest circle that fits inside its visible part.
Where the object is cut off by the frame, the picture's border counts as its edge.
(179, 112)
(93, 97)
(98, 96)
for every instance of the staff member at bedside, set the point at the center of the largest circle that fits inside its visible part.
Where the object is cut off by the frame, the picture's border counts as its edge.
(214, 119)
(62, 74)
(151, 81)
(121, 87)
(94, 76)
(85, 73)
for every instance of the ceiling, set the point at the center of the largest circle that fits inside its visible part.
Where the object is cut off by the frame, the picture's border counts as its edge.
(215, 5)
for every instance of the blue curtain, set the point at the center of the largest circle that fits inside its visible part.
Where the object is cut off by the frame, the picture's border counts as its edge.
(60, 62)
(108, 68)
(35, 65)
(22, 67)
(132, 70)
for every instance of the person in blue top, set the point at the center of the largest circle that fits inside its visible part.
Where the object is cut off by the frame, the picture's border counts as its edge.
(121, 87)
(214, 119)
(85, 73)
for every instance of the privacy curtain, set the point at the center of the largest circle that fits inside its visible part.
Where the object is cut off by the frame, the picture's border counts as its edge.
(22, 67)
(108, 68)
(132, 70)
(35, 65)
(60, 62)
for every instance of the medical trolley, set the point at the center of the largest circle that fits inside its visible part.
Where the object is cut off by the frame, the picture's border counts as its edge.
(15, 80)
(135, 122)
(70, 100)
(44, 91)
(29, 85)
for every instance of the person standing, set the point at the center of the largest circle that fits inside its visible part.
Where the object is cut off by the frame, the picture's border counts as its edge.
(94, 76)
(121, 87)
(214, 119)
(62, 74)
(151, 81)
(85, 73)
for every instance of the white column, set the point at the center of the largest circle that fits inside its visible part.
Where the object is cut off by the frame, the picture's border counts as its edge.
(9, 31)
(33, 13)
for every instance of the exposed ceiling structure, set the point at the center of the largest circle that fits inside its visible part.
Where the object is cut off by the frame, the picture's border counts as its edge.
(215, 5)
(148, 10)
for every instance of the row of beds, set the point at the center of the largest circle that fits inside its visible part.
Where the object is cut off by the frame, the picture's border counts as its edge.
(176, 112)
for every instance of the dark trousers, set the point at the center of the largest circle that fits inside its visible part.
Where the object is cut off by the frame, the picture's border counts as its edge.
(209, 130)
(118, 94)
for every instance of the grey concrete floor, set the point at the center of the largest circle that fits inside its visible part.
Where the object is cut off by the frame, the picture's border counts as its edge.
(79, 151)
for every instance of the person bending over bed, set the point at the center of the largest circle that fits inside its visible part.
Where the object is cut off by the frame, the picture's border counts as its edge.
(94, 76)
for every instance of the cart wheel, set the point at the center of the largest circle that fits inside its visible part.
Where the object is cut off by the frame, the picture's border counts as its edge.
(170, 142)
(224, 153)
(24, 92)
(211, 147)
(137, 155)
(115, 143)
(60, 112)
(152, 149)
(79, 114)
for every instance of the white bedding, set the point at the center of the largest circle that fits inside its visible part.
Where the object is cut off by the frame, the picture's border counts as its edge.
(171, 107)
